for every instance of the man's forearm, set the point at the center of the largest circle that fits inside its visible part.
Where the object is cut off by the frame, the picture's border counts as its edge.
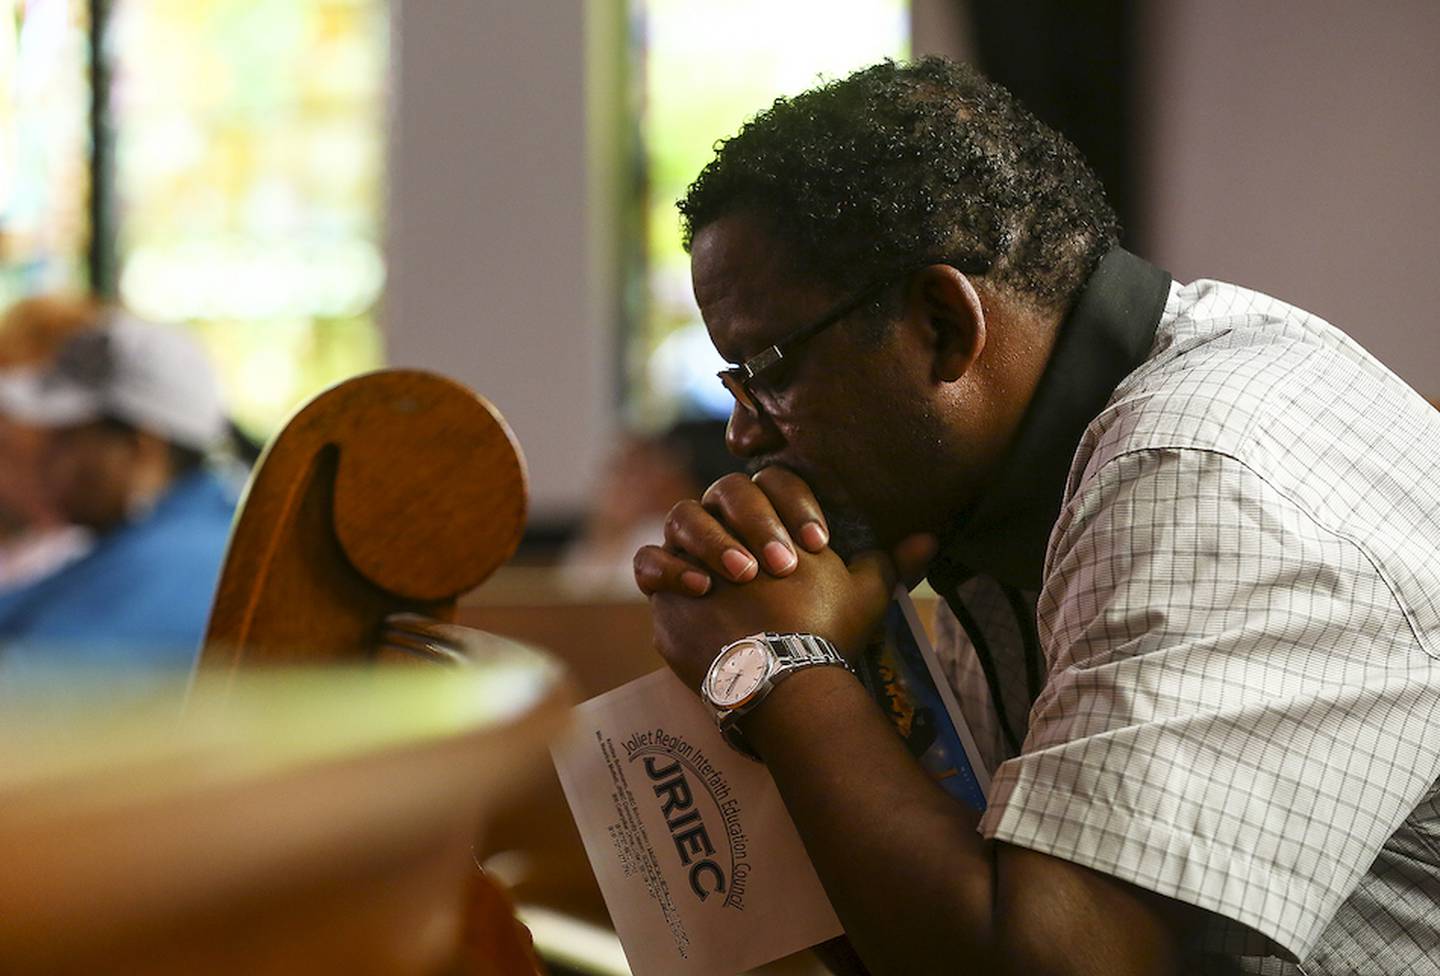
(916, 887)
(909, 876)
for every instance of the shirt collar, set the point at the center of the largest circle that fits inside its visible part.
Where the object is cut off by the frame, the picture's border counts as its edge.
(1106, 336)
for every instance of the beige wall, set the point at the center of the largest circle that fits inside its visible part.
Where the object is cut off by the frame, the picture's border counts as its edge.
(494, 276)
(940, 27)
(1295, 147)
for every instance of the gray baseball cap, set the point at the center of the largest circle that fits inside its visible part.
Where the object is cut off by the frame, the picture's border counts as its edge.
(156, 378)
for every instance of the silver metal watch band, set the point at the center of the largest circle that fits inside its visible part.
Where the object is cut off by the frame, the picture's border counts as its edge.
(803, 649)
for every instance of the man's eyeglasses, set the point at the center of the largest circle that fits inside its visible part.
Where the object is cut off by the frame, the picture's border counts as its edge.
(739, 379)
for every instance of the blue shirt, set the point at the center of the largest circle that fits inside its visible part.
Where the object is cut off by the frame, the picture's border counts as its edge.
(140, 599)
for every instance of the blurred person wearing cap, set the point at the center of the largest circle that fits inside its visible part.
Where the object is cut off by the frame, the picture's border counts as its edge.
(131, 410)
(35, 540)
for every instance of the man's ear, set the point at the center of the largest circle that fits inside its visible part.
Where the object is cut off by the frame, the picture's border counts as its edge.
(956, 318)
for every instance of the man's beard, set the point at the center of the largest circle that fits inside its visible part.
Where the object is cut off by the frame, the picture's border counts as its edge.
(850, 534)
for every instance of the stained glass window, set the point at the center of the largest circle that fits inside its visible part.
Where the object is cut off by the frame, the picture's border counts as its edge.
(708, 67)
(249, 144)
(44, 146)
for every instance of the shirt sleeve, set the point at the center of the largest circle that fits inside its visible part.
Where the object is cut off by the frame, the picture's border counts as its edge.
(1235, 703)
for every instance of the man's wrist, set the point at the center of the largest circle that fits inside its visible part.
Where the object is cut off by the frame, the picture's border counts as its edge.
(791, 704)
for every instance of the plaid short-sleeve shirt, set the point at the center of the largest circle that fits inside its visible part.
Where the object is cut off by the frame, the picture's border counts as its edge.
(1222, 680)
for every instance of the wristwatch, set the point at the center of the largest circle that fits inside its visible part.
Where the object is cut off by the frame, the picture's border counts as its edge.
(747, 670)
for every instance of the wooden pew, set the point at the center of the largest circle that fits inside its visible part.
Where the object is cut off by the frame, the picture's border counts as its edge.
(390, 494)
(393, 492)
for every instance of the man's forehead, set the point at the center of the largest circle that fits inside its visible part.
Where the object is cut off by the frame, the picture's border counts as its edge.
(746, 289)
(732, 261)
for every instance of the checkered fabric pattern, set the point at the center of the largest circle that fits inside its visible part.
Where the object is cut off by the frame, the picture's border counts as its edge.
(1240, 630)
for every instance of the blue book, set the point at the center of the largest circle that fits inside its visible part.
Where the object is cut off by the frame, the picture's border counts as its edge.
(902, 673)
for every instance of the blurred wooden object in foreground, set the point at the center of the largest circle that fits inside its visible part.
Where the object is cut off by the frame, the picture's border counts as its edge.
(534, 846)
(290, 821)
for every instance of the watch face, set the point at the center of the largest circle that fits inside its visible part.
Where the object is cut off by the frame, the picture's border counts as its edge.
(737, 674)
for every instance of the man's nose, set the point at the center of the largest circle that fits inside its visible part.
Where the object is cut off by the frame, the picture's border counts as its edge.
(748, 435)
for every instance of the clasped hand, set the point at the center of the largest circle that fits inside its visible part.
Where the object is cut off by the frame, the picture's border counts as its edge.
(730, 566)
